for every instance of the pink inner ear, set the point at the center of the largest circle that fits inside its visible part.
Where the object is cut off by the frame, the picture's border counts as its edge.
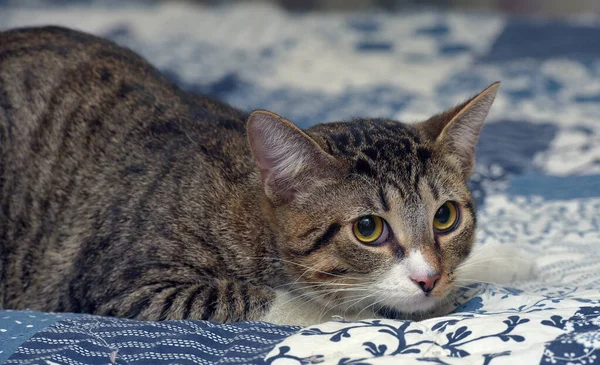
(462, 131)
(261, 154)
(278, 148)
(263, 128)
(288, 159)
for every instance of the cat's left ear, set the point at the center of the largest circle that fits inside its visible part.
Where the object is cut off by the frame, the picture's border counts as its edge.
(289, 160)
(457, 129)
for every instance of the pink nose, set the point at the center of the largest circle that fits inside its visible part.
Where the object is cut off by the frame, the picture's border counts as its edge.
(427, 283)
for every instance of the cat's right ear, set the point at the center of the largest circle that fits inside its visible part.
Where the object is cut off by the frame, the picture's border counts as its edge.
(457, 129)
(288, 159)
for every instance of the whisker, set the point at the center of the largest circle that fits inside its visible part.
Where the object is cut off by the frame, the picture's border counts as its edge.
(372, 305)
(310, 284)
(477, 281)
(351, 298)
(330, 291)
(469, 264)
(465, 286)
(303, 266)
(313, 298)
(316, 294)
(308, 270)
(293, 298)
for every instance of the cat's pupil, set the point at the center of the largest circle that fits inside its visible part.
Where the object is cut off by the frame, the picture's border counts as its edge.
(367, 226)
(443, 214)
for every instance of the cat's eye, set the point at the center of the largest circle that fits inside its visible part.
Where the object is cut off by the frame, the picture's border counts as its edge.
(371, 230)
(446, 217)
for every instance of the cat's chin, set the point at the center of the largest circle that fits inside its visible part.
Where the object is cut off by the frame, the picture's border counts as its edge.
(418, 303)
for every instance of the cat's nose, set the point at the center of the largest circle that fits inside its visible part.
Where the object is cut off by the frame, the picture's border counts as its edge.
(427, 283)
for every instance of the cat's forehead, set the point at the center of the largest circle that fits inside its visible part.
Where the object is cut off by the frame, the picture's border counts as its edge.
(365, 132)
(377, 147)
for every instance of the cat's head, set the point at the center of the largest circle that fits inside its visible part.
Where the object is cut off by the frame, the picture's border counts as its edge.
(372, 212)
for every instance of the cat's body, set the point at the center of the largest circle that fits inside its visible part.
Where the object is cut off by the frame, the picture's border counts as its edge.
(122, 195)
(114, 180)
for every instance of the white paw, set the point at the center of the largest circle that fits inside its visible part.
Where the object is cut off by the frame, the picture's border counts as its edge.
(288, 309)
(498, 264)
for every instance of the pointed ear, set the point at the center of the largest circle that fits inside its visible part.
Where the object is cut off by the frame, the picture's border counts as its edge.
(457, 129)
(288, 159)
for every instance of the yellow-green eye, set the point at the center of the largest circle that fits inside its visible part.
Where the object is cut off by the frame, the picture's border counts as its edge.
(370, 229)
(446, 217)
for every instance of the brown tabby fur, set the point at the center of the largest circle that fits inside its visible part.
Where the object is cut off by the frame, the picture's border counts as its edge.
(121, 194)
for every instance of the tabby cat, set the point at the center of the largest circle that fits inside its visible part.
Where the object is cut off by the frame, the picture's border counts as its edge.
(123, 195)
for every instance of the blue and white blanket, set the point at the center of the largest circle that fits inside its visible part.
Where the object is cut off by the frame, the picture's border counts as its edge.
(536, 181)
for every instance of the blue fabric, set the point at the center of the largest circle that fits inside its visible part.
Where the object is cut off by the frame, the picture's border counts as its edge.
(97, 340)
(542, 40)
(16, 327)
(556, 187)
(536, 178)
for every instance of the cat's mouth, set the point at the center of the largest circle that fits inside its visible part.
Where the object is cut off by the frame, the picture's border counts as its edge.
(404, 312)
(400, 304)
(408, 304)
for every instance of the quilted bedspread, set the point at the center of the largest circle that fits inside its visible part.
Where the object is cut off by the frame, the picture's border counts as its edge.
(536, 183)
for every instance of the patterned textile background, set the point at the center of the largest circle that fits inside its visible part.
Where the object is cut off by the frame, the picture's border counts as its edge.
(536, 181)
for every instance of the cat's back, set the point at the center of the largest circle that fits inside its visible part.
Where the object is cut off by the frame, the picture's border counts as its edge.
(55, 81)
(67, 95)
(41, 65)
(96, 147)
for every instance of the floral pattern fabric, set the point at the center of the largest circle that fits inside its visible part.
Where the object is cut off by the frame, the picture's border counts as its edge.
(536, 180)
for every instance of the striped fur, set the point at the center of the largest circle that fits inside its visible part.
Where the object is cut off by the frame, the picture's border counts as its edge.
(121, 194)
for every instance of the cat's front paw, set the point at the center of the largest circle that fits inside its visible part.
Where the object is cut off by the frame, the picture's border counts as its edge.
(498, 264)
(288, 309)
(523, 269)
